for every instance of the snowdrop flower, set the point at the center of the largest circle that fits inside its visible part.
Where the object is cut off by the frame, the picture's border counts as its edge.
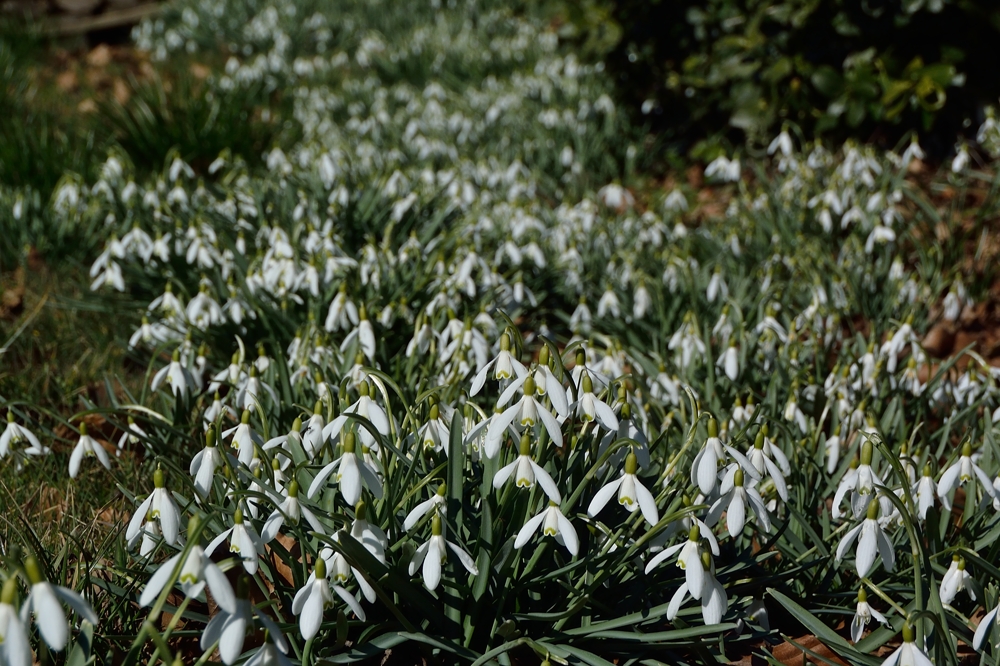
(205, 464)
(176, 375)
(580, 320)
(315, 597)
(434, 434)
(782, 142)
(864, 615)
(985, 628)
(159, 506)
(86, 446)
(955, 580)
(15, 435)
(130, 436)
(716, 287)
(961, 159)
(243, 540)
(908, 654)
(363, 333)
(229, 630)
(432, 555)
(608, 305)
(768, 459)
(15, 650)
(438, 503)
(365, 407)
(284, 442)
(631, 493)
(244, 438)
(792, 412)
(250, 393)
(312, 438)
(43, 603)
(616, 197)
(705, 468)
(712, 596)
(861, 482)
(734, 501)
(961, 471)
(526, 412)
(353, 473)
(526, 472)
(291, 510)
(724, 169)
(641, 301)
(342, 313)
(729, 361)
(590, 408)
(504, 364)
(873, 541)
(553, 524)
(197, 571)
(833, 450)
(924, 492)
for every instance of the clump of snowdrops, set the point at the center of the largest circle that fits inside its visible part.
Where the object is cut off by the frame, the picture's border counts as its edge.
(399, 393)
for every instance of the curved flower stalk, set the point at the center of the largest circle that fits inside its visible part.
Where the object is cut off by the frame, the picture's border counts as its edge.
(526, 413)
(631, 493)
(873, 541)
(159, 507)
(959, 473)
(353, 473)
(554, 524)
(86, 447)
(431, 556)
(526, 472)
(44, 603)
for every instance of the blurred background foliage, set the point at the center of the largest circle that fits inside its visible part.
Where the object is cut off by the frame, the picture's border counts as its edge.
(704, 73)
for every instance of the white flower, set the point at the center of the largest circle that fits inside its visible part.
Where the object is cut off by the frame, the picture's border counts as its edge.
(365, 407)
(590, 408)
(352, 474)
(205, 464)
(861, 481)
(924, 492)
(863, 616)
(243, 540)
(725, 169)
(908, 654)
(432, 555)
(782, 142)
(249, 395)
(832, 449)
(631, 493)
(244, 438)
(43, 603)
(705, 467)
(955, 580)
(873, 542)
(760, 456)
(527, 412)
(15, 650)
(961, 471)
(504, 364)
(196, 571)
(291, 510)
(526, 472)
(342, 313)
(437, 502)
(159, 506)
(608, 305)
(176, 375)
(734, 501)
(85, 447)
(315, 597)
(553, 524)
(986, 625)
(712, 595)
(729, 361)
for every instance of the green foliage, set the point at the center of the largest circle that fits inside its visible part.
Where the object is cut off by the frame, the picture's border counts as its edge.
(835, 69)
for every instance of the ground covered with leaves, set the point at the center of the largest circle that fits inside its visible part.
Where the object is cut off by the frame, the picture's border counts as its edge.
(361, 331)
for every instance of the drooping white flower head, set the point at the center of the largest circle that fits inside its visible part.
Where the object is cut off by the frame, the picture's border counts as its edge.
(631, 493)
(863, 616)
(86, 447)
(554, 524)
(44, 604)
